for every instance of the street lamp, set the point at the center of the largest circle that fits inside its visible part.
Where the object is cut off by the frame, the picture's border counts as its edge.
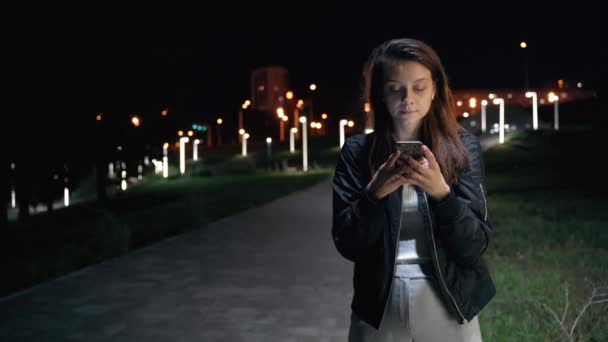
(269, 151)
(13, 198)
(555, 99)
(501, 102)
(165, 161)
(281, 115)
(245, 137)
(342, 124)
(484, 103)
(313, 88)
(292, 133)
(524, 46)
(244, 106)
(534, 96)
(182, 154)
(66, 196)
(304, 144)
(195, 149)
(123, 182)
(219, 135)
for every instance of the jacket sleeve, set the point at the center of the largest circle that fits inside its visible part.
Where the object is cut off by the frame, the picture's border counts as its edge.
(462, 216)
(357, 217)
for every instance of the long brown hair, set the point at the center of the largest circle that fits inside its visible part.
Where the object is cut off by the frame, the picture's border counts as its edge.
(439, 127)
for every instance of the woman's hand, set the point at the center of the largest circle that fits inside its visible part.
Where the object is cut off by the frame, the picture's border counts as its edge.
(388, 177)
(426, 174)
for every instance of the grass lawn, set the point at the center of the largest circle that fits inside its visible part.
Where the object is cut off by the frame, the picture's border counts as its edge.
(547, 204)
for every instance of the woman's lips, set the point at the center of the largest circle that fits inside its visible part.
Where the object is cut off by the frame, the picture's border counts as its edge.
(406, 112)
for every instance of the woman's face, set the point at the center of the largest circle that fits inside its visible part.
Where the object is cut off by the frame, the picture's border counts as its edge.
(408, 93)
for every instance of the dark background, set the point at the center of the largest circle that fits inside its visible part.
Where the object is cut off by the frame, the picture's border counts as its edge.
(66, 63)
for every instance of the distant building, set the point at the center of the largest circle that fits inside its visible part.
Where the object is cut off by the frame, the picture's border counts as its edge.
(268, 87)
(268, 91)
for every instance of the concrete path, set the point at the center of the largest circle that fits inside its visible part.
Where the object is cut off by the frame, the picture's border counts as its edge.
(268, 274)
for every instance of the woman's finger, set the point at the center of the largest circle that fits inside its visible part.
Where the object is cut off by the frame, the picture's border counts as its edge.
(412, 177)
(393, 158)
(426, 152)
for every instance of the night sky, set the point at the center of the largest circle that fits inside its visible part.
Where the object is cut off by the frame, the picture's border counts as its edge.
(68, 62)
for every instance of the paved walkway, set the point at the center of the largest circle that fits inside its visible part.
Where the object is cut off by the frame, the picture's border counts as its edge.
(268, 274)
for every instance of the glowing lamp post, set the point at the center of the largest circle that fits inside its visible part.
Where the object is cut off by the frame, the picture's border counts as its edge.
(501, 134)
(182, 154)
(484, 103)
(269, 151)
(219, 134)
(292, 133)
(282, 118)
(555, 99)
(195, 149)
(534, 96)
(304, 144)
(165, 161)
(66, 196)
(13, 198)
(245, 137)
(342, 124)
(123, 182)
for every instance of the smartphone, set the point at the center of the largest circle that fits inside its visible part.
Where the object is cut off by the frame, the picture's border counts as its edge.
(411, 148)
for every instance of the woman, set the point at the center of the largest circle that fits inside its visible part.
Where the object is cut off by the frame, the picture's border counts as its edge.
(415, 229)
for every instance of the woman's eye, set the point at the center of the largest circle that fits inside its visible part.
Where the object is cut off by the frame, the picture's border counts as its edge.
(419, 89)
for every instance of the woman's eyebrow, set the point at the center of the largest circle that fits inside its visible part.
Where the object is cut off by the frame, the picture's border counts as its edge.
(398, 81)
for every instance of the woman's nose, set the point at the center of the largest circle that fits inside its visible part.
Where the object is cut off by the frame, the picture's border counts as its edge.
(405, 98)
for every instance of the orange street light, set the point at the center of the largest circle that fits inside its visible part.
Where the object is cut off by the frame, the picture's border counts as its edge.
(313, 87)
(98, 117)
(219, 121)
(472, 102)
(164, 112)
(135, 121)
(180, 133)
(289, 95)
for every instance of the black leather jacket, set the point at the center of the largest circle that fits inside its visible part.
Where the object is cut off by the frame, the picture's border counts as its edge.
(365, 231)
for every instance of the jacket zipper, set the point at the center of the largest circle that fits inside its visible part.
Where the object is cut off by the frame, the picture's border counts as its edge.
(390, 290)
(485, 203)
(466, 322)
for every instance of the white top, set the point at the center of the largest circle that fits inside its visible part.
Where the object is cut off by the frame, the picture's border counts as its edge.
(413, 244)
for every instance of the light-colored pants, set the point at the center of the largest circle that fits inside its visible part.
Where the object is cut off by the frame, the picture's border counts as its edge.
(415, 312)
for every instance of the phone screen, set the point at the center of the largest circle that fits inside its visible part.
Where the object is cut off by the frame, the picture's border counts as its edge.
(411, 148)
